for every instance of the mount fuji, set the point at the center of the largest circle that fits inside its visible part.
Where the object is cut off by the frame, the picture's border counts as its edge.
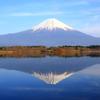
(50, 32)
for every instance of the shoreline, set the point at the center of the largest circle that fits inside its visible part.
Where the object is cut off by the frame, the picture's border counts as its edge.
(39, 51)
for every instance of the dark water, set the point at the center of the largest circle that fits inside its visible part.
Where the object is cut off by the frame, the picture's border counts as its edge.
(50, 78)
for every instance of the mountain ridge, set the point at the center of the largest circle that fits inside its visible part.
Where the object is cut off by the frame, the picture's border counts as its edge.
(49, 36)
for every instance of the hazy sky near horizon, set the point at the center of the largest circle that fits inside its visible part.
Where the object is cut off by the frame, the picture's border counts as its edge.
(19, 15)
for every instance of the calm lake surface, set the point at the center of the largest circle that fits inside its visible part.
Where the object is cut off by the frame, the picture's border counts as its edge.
(50, 78)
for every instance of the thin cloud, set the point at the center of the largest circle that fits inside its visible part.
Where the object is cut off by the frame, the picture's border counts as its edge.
(76, 3)
(92, 27)
(93, 30)
(95, 10)
(36, 14)
(21, 14)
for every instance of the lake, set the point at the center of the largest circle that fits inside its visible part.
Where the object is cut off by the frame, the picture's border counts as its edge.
(50, 78)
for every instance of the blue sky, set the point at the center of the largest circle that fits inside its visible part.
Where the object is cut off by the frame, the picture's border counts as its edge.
(19, 15)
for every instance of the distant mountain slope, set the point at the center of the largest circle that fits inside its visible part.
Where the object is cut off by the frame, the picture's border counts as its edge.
(49, 33)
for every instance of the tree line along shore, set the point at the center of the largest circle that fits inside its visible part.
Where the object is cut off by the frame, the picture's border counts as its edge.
(40, 51)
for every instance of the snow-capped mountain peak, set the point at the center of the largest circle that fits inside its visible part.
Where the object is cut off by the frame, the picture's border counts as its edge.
(52, 24)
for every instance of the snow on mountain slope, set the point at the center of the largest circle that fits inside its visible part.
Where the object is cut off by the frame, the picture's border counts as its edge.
(51, 24)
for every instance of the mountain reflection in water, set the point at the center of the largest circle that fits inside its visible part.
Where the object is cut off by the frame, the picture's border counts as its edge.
(50, 78)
